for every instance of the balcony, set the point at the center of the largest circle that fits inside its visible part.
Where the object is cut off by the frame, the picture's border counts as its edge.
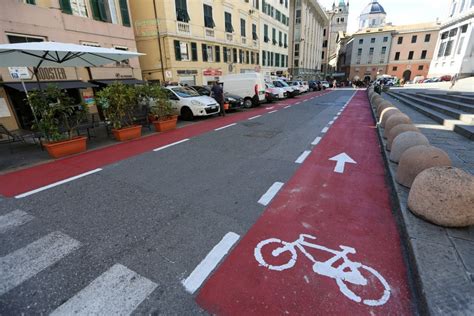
(229, 37)
(210, 33)
(255, 43)
(183, 28)
(244, 40)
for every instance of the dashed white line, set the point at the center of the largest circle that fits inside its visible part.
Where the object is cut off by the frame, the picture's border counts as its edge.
(172, 144)
(269, 108)
(220, 128)
(288, 106)
(272, 111)
(316, 141)
(13, 219)
(297, 103)
(49, 186)
(254, 117)
(331, 122)
(270, 194)
(324, 130)
(303, 156)
(209, 263)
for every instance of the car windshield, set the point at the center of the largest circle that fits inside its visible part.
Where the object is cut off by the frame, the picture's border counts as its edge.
(269, 85)
(183, 92)
(283, 83)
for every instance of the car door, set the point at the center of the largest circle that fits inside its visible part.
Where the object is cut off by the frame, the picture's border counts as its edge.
(175, 102)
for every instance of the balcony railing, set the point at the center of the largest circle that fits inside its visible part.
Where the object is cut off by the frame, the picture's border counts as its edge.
(183, 28)
(229, 37)
(210, 33)
(255, 43)
(244, 40)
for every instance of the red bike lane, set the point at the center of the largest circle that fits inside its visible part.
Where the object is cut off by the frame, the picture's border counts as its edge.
(273, 271)
(31, 178)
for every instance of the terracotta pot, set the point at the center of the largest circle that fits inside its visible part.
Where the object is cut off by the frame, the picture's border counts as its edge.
(66, 147)
(166, 124)
(127, 133)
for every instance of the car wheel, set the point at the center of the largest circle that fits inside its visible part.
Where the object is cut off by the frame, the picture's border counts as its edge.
(187, 114)
(248, 103)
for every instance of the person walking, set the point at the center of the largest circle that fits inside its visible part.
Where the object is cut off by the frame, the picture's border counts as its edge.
(218, 94)
(453, 80)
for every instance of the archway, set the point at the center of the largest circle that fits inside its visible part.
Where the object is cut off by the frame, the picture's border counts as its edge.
(407, 75)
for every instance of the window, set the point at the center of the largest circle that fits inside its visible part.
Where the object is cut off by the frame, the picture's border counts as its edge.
(234, 54)
(385, 39)
(442, 46)
(208, 20)
(449, 47)
(342, 20)
(322, 55)
(228, 22)
(372, 40)
(30, 2)
(65, 6)
(14, 39)
(461, 42)
(254, 32)
(298, 17)
(297, 50)
(285, 44)
(266, 39)
(414, 38)
(264, 58)
(100, 10)
(395, 68)
(280, 39)
(371, 51)
(277, 60)
(410, 55)
(359, 52)
(464, 28)
(247, 57)
(182, 11)
(206, 53)
(242, 27)
(180, 50)
(361, 41)
(453, 32)
(124, 12)
(420, 67)
(384, 50)
(427, 38)
(218, 54)
(400, 40)
(423, 54)
(252, 58)
(444, 35)
(324, 32)
(397, 56)
(226, 55)
(194, 52)
(274, 39)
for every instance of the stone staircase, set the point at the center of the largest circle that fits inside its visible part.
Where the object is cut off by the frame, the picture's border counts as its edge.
(454, 111)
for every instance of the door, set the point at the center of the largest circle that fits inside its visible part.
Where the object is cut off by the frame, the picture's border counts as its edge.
(407, 75)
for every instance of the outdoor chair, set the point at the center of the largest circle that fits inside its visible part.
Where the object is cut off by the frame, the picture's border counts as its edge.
(17, 136)
(88, 125)
(141, 117)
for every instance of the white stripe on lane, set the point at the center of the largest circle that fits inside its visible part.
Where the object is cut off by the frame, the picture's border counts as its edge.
(118, 291)
(13, 219)
(270, 194)
(324, 130)
(288, 106)
(303, 156)
(297, 102)
(218, 129)
(316, 141)
(172, 144)
(272, 111)
(254, 117)
(49, 186)
(331, 122)
(269, 108)
(209, 263)
(24, 263)
(334, 118)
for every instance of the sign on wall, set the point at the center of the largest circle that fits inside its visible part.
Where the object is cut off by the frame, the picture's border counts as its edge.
(21, 73)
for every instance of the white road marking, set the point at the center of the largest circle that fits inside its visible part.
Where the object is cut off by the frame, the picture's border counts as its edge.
(220, 128)
(172, 144)
(254, 117)
(272, 111)
(118, 291)
(331, 122)
(24, 263)
(303, 156)
(341, 160)
(288, 106)
(334, 118)
(339, 113)
(297, 102)
(269, 107)
(209, 263)
(270, 194)
(316, 141)
(49, 186)
(324, 130)
(13, 219)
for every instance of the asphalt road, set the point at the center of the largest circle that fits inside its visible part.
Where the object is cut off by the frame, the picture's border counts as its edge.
(151, 218)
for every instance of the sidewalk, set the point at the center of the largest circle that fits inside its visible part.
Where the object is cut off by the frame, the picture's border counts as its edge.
(443, 258)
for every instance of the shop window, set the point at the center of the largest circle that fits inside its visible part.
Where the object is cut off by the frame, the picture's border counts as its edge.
(208, 20)
(182, 11)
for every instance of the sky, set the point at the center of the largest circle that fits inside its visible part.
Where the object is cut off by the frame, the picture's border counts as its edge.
(399, 12)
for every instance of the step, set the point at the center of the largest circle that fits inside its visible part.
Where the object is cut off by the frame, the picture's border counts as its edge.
(448, 101)
(457, 126)
(467, 118)
(456, 96)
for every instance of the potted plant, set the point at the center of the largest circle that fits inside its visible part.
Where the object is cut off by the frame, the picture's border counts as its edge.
(161, 112)
(118, 102)
(58, 118)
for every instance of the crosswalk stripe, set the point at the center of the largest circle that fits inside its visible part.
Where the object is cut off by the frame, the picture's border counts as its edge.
(118, 291)
(13, 219)
(24, 263)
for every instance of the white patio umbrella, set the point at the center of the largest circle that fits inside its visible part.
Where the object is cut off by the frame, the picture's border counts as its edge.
(54, 54)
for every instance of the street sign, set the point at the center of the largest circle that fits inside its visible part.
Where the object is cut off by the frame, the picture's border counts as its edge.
(21, 73)
(168, 74)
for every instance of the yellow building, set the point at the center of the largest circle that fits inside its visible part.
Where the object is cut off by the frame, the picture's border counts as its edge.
(196, 41)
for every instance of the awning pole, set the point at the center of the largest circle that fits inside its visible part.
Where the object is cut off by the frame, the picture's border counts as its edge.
(28, 98)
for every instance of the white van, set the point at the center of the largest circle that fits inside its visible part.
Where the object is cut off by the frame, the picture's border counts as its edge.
(249, 86)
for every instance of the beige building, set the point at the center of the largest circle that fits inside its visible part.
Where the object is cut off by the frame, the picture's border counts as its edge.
(94, 23)
(412, 50)
(196, 41)
(307, 22)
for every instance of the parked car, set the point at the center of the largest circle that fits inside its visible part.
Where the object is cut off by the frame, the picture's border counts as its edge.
(305, 85)
(249, 86)
(314, 85)
(291, 90)
(325, 84)
(278, 91)
(188, 103)
(299, 85)
(445, 78)
(234, 101)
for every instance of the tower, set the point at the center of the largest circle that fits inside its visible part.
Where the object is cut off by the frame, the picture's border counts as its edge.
(373, 15)
(338, 18)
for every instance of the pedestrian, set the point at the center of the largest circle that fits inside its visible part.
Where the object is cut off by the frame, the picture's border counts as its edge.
(218, 94)
(453, 80)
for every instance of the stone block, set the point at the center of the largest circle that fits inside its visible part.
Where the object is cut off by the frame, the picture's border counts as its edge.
(386, 113)
(395, 120)
(397, 130)
(404, 141)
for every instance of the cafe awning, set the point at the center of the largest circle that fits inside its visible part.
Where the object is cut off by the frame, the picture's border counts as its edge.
(128, 81)
(68, 84)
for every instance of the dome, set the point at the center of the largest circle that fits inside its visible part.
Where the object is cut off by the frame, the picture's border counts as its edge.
(373, 8)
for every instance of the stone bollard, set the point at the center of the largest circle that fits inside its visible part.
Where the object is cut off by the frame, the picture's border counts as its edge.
(382, 106)
(404, 141)
(418, 158)
(385, 115)
(395, 120)
(375, 100)
(397, 130)
(443, 196)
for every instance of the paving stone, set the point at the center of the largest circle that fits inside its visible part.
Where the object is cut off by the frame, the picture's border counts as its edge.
(465, 248)
(466, 233)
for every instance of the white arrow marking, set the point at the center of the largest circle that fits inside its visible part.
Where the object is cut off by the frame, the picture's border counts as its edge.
(341, 160)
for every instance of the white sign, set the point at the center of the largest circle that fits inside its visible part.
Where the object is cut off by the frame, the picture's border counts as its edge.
(341, 160)
(168, 74)
(4, 111)
(347, 273)
(19, 73)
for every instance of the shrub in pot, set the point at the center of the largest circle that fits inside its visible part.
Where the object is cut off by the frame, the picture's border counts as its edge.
(58, 118)
(162, 114)
(118, 102)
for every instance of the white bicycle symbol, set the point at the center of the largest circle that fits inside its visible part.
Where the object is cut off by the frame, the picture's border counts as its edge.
(347, 272)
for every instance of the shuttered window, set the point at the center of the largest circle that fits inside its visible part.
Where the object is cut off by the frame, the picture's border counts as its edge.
(218, 54)
(124, 12)
(208, 20)
(228, 22)
(194, 52)
(225, 54)
(99, 10)
(182, 11)
(177, 50)
(65, 6)
(242, 28)
(204, 52)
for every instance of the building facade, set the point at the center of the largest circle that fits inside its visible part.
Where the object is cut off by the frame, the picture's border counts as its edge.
(307, 22)
(455, 44)
(338, 17)
(94, 23)
(412, 50)
(372, 16)
(197, 42)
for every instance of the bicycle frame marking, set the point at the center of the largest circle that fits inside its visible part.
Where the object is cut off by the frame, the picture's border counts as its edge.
(348, 271)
